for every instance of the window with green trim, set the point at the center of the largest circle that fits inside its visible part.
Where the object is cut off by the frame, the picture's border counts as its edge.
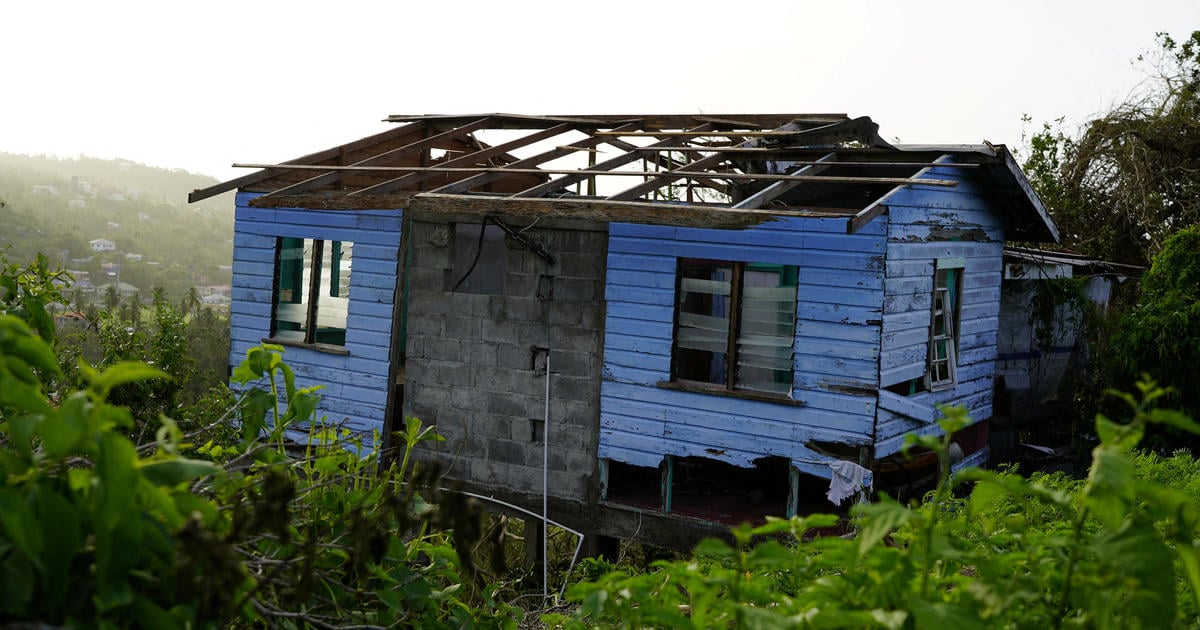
(942, 363)
(312, 291)
(735, 325)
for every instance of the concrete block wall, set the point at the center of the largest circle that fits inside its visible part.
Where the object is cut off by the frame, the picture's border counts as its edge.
(475, 364)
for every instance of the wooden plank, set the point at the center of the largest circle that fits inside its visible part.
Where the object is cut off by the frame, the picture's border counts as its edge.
(837, 348)
(606, 165)
(484, 154)
(484, 178)
(336, 173)
(645, 345)
(327, 154)
(638, 261)
(644, 312)
(631, 374)
(619, 328)
(908, 407)
(644, 121)
(590, 210)
(877, 207)
(778, 188)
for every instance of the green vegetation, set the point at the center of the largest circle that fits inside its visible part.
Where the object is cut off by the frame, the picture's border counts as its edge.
(1126, 188)
(1130, 178)
(1160, 336)
(57, 206)
(1117, 550)
(205, 528)
(117, 515)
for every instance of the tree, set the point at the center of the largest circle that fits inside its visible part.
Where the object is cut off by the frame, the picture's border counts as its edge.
(1161, 335)
(191, 302)
(1131, 177)
(159, 295)
(112, 298)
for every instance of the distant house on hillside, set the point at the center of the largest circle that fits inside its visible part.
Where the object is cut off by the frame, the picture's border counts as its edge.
(124, 289)
(102, 245)
(700, 319)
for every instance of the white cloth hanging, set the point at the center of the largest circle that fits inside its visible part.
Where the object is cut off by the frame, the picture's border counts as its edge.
(847, 480)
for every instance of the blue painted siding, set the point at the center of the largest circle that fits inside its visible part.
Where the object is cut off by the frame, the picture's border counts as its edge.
(355, 387)
(839, 315)
(928, 223)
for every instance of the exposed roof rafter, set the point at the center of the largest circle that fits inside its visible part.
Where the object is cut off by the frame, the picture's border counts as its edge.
(776, 164)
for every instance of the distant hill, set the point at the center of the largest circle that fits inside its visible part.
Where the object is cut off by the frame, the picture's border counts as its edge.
(57, 206)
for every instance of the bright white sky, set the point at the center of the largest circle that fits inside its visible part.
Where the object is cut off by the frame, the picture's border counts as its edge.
(200, 85)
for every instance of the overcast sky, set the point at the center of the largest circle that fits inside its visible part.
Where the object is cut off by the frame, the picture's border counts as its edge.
(200, 85)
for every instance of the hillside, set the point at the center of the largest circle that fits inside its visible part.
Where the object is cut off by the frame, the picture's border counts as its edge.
(57, 206)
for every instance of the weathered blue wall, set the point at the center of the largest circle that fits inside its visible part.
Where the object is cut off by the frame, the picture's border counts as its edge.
(836, 359)
(355, 384)
(928, 223)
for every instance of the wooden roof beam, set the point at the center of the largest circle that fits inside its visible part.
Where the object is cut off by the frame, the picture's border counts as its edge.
(703, 163)
(484, 154)
(607, 165)
(649, 122)
(421, 145)
(665, 163)
(476, 181)
(591, 172)
(778, 188)
(311, 158)
(877, 207)
(827, 134)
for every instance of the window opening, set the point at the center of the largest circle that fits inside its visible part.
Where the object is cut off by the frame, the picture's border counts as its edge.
(736, 325)
(942, 363)
(312, 291)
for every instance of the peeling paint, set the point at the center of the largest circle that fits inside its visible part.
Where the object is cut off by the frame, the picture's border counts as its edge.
(977, 235)
(846, 388)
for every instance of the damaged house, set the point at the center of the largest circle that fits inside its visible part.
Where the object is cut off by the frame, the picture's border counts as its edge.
(655, 318)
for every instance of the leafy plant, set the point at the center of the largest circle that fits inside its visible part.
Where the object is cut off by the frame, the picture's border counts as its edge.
(1115, 550)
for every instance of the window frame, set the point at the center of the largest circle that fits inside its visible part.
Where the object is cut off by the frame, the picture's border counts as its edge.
(314, 287)
(737, 300)
(946, 337)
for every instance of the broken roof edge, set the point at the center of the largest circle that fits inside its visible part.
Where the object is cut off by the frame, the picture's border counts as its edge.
(594, 209)
(1043, 224)
(1038, 225)
(1072, 259)
(648, 121)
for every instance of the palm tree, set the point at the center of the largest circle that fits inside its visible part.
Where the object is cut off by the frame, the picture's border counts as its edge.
(191, 302)
(111, 297)
(159, 294)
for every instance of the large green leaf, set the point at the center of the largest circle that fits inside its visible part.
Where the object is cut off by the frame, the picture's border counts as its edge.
(125, 372)
(63, 432)
(879, 520)
(172, 472)
(116, 479)
(63, 536)
(1110, 484)
(1137, 553)
(20, 525)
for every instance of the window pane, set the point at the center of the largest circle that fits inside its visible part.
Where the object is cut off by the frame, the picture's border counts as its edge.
(334, 298)
(943, 326)
(702, 339)
(291, 296)
(767, 330)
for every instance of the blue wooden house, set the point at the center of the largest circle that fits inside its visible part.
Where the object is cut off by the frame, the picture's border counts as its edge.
(648, 319)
